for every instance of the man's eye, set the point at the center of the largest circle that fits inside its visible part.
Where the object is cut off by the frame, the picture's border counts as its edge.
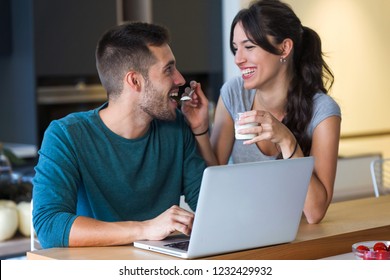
(169, 69)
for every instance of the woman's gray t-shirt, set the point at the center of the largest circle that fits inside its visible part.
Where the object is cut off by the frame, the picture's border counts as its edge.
(238, 99)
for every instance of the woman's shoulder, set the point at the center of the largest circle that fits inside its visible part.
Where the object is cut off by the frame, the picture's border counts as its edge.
(324, 106)
(324, 102)
(235, 97)
(234, 83)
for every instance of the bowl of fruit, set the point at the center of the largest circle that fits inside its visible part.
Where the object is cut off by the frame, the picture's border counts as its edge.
(372, 250)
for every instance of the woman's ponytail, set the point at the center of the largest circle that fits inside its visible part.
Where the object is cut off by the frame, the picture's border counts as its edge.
(315, 73)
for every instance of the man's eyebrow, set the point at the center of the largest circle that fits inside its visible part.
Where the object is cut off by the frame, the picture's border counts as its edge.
(170, 63)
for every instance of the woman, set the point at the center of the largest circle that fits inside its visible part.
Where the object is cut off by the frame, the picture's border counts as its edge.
(283, 88)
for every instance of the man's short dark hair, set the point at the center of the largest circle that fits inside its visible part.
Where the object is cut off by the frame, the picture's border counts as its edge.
(124, 48)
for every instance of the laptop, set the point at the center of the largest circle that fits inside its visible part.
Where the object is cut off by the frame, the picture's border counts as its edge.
(243, 206)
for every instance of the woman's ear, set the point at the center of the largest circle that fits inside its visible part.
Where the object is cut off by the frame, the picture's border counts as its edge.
(286, 47)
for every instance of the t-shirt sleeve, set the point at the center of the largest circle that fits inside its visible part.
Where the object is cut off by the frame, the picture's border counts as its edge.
(235, 97)
(227, 97)
(324, 107)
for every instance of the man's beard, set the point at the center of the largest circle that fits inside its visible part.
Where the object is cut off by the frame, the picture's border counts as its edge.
(155, 104)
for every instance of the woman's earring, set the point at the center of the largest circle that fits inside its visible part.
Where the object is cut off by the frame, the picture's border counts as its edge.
(282, 59)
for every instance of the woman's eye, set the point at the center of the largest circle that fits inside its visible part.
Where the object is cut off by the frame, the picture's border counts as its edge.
(249, 47)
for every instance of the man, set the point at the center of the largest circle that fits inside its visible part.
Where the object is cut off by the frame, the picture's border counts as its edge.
(115, 174)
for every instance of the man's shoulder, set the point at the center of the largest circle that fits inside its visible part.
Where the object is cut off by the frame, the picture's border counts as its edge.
(73, 121)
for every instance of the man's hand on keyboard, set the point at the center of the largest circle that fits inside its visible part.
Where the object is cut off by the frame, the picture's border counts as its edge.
(173, 219)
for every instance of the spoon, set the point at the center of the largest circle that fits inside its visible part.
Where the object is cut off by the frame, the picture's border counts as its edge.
(187, 95)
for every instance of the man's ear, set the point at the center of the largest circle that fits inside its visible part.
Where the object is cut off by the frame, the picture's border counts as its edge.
(134, 80)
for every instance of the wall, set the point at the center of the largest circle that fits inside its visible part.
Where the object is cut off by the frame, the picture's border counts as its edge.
(229, 10)
(17, 79)
(355, 35)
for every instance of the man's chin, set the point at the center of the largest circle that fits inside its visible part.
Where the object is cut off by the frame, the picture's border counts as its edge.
(168, 116)
(172, 117)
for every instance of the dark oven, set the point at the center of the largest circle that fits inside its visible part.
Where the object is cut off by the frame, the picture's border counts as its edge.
(55, 102)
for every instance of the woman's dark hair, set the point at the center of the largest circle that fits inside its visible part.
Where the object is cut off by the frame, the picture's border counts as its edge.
(311, 74)
(124, 48)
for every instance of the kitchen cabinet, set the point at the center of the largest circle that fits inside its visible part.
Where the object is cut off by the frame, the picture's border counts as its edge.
(195, 28)
(66, 33)
(196, 39)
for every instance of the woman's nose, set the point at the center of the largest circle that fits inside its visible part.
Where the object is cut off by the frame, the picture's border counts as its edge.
(238, 57)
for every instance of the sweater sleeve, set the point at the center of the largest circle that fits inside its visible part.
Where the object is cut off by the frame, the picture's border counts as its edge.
(55, 191)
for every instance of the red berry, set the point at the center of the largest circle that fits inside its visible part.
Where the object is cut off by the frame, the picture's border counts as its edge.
(383, 255)
(380, 246)
(362, 248)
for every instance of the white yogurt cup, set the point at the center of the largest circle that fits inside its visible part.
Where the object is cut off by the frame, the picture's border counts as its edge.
(237, 127)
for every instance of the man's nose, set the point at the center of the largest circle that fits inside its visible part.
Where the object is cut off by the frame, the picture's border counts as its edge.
(179, 79)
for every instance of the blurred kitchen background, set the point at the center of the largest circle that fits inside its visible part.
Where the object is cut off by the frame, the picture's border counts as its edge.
(47, 66)
(47, 69)
(47, 61)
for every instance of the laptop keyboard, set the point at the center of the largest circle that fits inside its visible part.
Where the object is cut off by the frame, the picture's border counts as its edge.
(182, 245)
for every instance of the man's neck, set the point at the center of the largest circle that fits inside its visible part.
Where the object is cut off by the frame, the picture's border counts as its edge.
(125, 120)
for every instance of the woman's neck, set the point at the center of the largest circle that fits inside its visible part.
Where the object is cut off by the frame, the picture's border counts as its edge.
(272, 100)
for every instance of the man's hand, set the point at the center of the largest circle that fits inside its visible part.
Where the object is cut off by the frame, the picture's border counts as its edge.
(173, 219)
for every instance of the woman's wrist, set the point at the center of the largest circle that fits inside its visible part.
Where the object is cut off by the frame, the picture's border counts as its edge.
(294, 151)
(203, 132)
(288, 148)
